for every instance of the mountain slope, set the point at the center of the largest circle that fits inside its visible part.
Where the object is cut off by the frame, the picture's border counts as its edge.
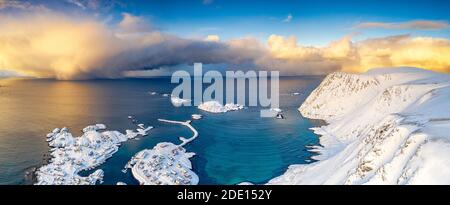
(387, 126)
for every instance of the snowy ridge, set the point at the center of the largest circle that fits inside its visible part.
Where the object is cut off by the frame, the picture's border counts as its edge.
(387, 126)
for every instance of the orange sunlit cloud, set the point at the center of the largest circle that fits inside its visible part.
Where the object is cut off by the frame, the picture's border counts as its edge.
(55, 45)
(394, 51)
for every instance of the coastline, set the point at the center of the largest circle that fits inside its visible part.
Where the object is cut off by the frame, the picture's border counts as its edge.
(388, 135)
(71, 155)
(122, 124)
(166, 163)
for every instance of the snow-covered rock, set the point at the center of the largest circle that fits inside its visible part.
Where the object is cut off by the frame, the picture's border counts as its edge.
(177, 102)
(60, 138)
(70, 155)
(216, 107)
(273, 112)
(245, 183)
(387, 126)
(165, 164)
(196, 116)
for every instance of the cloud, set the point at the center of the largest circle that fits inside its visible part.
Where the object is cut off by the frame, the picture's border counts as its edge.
(418, 25)
(77, 3)
(10, 4)
(288, 18)
(53, 45)
(403, 50)
(20, 5)
(6, 74)
(286, 55)
(344, 54)
(163, 71)
(133, 24)
(104, 5)
(56, 45)
(212, 38)
(207, 2)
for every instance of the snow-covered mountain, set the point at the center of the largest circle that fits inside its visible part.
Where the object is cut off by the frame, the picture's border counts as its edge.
(386, 126)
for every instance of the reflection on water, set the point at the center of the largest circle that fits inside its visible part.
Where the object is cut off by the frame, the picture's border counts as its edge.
(232, 147)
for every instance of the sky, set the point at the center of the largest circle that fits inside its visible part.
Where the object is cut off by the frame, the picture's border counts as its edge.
(313, 22)
(71, 39)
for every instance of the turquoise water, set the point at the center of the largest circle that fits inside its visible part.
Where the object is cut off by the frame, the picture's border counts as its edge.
(231, 148)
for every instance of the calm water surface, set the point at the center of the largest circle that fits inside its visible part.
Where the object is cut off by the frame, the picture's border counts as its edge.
(232, 147)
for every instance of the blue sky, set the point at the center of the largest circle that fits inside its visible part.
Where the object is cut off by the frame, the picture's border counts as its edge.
(313, 22)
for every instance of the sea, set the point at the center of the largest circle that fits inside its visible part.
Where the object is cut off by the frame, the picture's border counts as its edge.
(232, 147)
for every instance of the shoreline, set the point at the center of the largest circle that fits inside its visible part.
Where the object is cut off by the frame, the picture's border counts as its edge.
(388, 136)
(72, 155)
(166, 163)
